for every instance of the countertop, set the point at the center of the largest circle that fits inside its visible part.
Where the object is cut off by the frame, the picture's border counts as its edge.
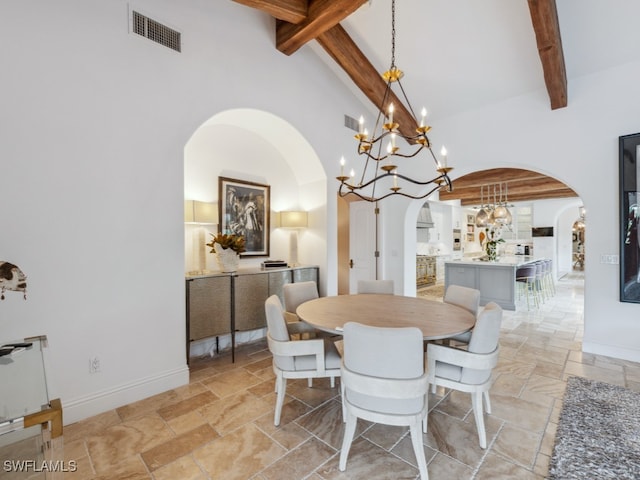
(505, 260)
(243, 271)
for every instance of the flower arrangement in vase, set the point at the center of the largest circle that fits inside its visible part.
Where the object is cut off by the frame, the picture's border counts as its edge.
(493, 238)
(227, 248)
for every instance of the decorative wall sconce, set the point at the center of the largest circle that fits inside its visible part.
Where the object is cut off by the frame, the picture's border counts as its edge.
(294, 220)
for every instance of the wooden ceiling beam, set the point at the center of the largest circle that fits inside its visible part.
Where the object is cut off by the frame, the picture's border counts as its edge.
(522, 185)
(339, 45)
(292, 11)
(544, 16)
(322, 16)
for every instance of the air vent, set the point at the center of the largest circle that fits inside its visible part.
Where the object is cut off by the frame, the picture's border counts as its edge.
(351, 123)
(155, 31)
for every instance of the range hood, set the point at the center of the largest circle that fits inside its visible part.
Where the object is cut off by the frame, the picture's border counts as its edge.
(424, 217)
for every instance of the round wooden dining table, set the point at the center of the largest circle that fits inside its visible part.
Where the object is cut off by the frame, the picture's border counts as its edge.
(436, 320)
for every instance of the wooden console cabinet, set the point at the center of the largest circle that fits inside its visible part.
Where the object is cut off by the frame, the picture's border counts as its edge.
(226, 303)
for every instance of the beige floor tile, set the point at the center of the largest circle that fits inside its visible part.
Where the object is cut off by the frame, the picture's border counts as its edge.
(167, 452)
(496, 467)
(325, 423)
(91, 426)
(518, 445)
(300, 462)
(185, 406)
(230, 412)
(290, 435)
(184, 468)
(239, 454)
(148, 405)
(126, 440)
(443, 466)
(367, 461)
(459, 439)
(519, 412)
(595, 373)
(230, 382)
(186, 422)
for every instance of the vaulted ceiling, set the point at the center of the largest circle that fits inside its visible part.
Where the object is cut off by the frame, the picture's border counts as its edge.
(299, 22)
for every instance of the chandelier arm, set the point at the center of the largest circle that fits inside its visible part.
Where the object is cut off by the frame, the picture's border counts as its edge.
(372, 199)
(408, 105)
(442, 176)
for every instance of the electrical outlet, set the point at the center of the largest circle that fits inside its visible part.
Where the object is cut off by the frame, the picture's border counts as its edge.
(94, 365)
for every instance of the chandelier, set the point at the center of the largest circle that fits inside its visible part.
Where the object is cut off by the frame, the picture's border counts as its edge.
(380, 177)
(496, 213)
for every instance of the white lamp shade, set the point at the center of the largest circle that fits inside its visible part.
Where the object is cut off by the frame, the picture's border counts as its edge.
(293, 219)
(201, 213)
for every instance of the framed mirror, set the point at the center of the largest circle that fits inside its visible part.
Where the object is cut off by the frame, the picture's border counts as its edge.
(629, 218)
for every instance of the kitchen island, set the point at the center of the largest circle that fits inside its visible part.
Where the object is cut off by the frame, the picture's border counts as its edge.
(496, 280)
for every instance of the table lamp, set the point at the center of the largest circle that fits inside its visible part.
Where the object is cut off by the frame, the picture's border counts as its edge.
(293, 220)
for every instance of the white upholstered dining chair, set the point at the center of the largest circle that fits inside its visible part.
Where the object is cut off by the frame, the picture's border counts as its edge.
(470, 370)
(314, 358)
(375, 286)
(383, 380)
(467, 298)
(296, 294)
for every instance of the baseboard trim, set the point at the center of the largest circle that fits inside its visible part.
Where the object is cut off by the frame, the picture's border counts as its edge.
(80, 408)
(611, 351)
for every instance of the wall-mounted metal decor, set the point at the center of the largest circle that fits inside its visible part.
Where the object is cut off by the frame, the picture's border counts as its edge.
(12, 279)
(629, 218)
(244, 210)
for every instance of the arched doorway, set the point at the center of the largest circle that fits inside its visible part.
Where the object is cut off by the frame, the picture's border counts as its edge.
(257, 146)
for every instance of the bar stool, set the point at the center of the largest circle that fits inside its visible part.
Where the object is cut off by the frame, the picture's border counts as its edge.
(526, 280)
(539, 283)
(551, 286)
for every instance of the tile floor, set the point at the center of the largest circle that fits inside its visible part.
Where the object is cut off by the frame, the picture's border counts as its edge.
(220, 426)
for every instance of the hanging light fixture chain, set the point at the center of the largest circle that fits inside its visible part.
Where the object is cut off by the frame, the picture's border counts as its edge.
(393, 34)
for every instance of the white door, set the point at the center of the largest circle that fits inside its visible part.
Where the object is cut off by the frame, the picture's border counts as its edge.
(362, 243)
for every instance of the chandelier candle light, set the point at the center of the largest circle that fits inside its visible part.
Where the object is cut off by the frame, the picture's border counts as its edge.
(379, 161)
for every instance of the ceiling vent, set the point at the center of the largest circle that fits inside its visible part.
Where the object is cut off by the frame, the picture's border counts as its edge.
(155, 31)
(351, 123)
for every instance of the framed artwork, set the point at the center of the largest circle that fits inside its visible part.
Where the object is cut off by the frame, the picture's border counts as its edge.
(629, 218)
(470, 237)
(244, 210)
(471, 219)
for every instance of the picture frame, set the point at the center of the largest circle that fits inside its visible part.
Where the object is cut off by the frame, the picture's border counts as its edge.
(470, 237)
(629, 197)
(471, 219)
(244, 209)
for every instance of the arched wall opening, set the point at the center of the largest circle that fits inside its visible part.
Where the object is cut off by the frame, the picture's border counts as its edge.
(259, 147)
(450, 214)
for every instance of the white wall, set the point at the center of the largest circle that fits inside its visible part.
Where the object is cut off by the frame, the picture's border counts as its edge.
(93, 126)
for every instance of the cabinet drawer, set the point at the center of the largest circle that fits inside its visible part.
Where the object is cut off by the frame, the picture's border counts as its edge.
(209, 307)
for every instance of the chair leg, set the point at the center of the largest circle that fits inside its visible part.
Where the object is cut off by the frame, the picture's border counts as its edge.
(487, 402)
(333, 382)
(309, 382)
(344, 408)
(418, 449)
(476, 399)
(349, 431)
(281, 388)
